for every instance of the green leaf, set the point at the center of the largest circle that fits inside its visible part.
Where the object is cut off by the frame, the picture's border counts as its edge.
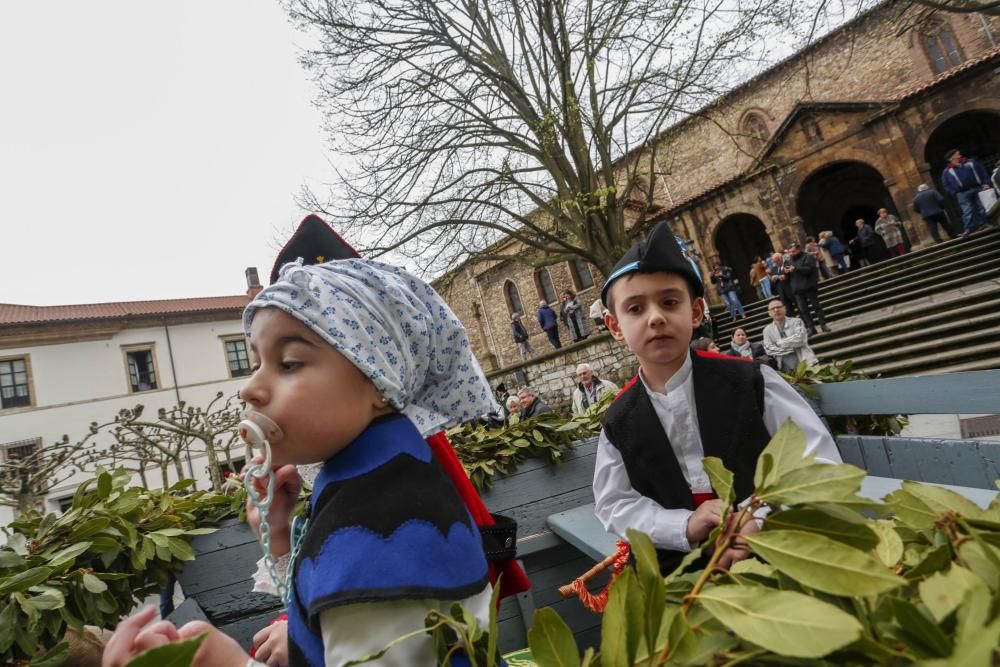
(824, 564)
(942, 592)
(7, 616)
(48, 597)
(935, 560)
(909, 509)
(785, 450)
(22, 581)
(89, 528)
(93, 584)
(653, 588)
(68, 555)
(980, 557)
(622, 624)
(830, 521)
(180, 548)
(790, 624)
(103, 485)
(942, 500)
(10, 559)
(54, 657)
(913, 627)
(814, 483)
(721, 479)
(890, 546)
(551, 641)
(175, 654)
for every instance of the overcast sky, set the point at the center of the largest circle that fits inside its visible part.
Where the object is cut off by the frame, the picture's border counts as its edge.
(148, 150)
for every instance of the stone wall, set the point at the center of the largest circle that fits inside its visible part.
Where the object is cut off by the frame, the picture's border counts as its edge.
(553, 373)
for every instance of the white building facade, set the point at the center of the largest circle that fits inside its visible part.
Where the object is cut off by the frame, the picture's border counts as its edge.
(63, 367)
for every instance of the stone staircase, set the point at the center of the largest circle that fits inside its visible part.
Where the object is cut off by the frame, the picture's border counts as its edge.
(934, 310)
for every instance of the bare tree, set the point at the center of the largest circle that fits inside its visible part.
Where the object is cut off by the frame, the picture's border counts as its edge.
(26, 478)
(472, 121)
(141, 445)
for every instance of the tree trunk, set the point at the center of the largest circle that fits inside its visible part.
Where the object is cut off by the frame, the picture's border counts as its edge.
(213, 463)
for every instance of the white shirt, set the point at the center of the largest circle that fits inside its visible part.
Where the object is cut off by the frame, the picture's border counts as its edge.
(618, 506)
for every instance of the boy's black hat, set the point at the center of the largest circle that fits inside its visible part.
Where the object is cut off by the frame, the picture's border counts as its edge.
(660, 252)
(315, 242)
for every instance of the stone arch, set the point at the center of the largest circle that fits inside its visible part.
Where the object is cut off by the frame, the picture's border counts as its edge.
(975, 132)
(739, 238)
(836, 194)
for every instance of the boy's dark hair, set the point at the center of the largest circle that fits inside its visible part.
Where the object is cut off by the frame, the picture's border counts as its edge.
(948, 153)
(701, 343)
(610, 303)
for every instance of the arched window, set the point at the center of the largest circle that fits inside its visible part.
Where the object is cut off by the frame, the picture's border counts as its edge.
(580, 272)
(755, 128)
(543, 283)
(941, 46)
(513, 298)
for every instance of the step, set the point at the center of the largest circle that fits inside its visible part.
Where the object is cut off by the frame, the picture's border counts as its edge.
(946, 333)
(921, 365)
(912, 349)
(980, 313)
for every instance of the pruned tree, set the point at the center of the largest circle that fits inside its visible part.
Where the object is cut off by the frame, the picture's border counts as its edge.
(26, 476)
(141, 445)
(471, 121)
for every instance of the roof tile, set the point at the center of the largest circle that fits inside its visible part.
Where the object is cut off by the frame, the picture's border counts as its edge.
(11, 313)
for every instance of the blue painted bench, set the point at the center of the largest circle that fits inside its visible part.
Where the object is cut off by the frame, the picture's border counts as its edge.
(967, 467)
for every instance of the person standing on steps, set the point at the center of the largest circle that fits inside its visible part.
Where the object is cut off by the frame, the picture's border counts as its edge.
(786, 340)
(520, 334)
(804, 277)
(571, 313)
(964, 178)
(781, 286)
(547, 321)
(891, 230)
(725, 283)
(929, 204)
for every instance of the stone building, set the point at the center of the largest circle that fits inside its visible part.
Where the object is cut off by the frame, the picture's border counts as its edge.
(853, 123)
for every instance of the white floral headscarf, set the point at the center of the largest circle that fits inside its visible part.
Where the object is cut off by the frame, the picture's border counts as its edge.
(395, 328)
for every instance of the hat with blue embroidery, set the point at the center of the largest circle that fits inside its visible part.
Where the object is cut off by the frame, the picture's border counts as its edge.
(660, 252)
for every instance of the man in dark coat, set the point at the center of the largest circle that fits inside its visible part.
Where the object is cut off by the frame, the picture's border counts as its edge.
(930, 205)
(531, 405)
(964, 178)
(549, 324)
(804, 276)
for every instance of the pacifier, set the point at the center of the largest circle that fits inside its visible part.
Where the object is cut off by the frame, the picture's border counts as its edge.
(260, 432)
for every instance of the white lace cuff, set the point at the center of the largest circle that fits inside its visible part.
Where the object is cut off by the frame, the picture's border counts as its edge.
(262, 582)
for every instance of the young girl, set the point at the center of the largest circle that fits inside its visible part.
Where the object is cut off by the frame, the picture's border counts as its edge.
(353, 359)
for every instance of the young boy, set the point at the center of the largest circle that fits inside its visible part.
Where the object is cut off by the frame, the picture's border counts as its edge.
(352, 360)
(682, 407)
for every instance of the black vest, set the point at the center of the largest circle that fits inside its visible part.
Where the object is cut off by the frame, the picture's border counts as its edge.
(729, 399)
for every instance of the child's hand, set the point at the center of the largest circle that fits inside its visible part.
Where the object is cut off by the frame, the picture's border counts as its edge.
(707, 516)
(218, 649)
(131, 638)
(287, 485)
(271, 644)
(739, 549)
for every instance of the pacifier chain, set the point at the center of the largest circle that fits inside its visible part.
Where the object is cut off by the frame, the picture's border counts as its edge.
(259, 432)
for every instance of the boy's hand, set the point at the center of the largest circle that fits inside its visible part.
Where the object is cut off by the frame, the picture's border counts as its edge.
(287, 485)
(271, 644)
(740, 550)
(707, 516)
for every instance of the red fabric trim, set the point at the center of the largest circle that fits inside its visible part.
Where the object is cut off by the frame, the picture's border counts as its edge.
(514, 579)
(700, 498)
(705, 354)
(628, 385)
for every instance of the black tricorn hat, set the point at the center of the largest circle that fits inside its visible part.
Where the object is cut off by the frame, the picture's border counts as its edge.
(315, 242)
(659, 252)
